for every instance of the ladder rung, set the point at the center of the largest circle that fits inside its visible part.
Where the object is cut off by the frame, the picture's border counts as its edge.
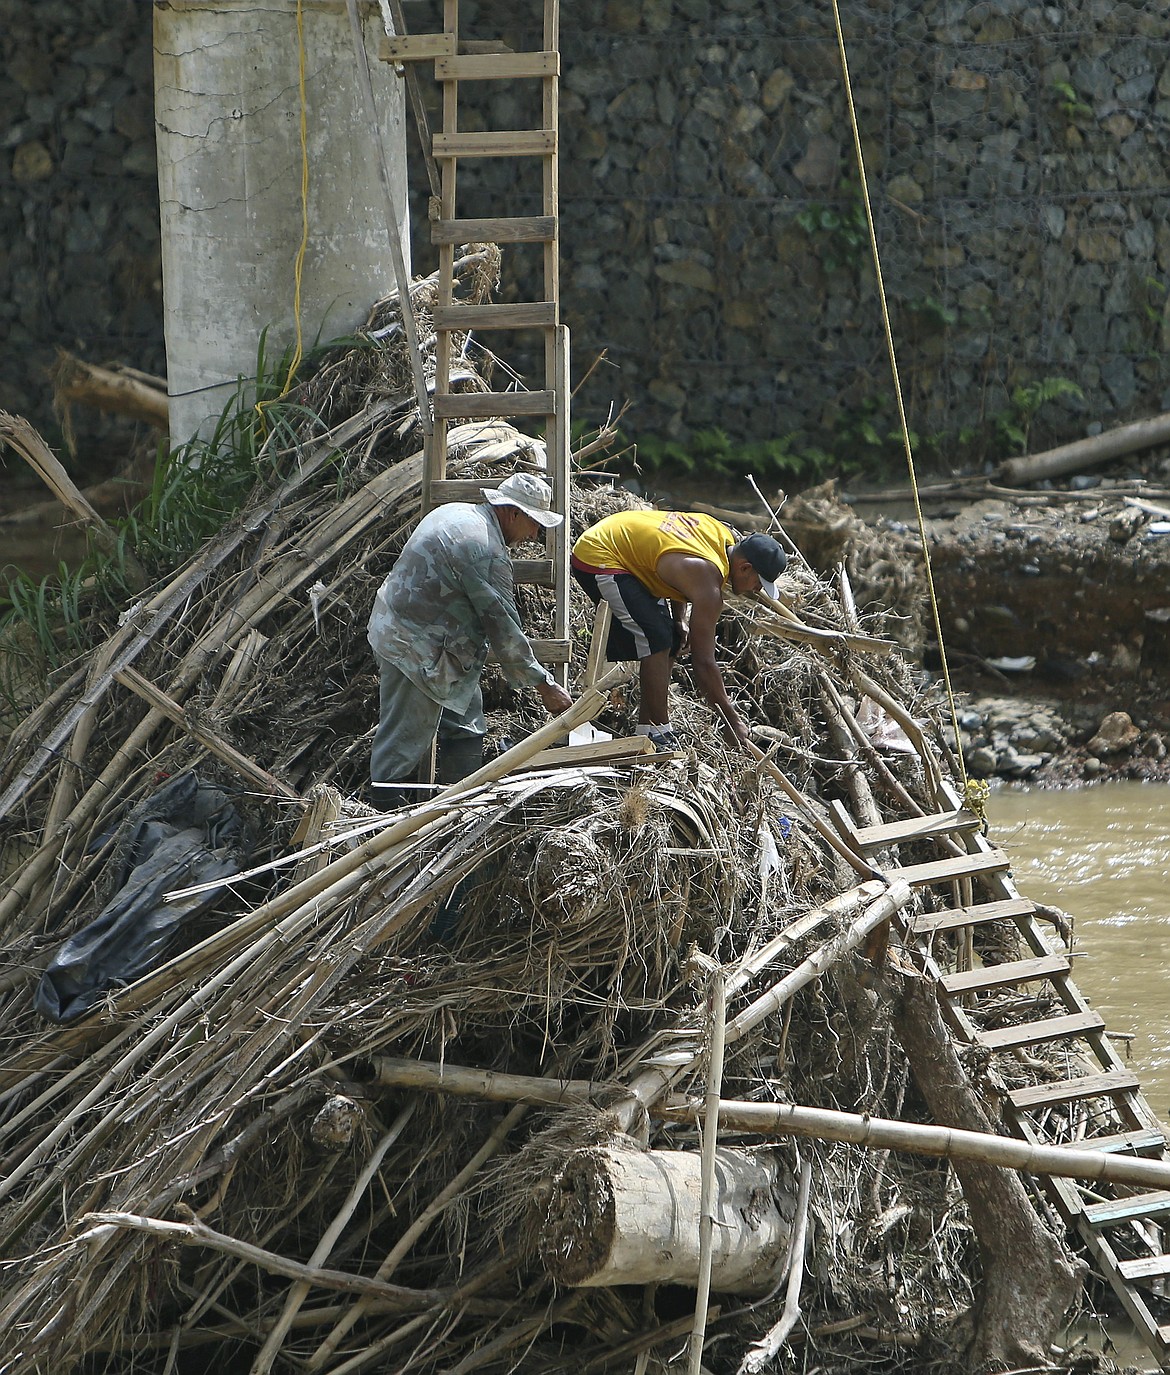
(497, 66)
(485, 404)
(1073, 1090)
(538, 572)
(447, 489)
(959, 866)
(1035, 1033)
(915, 828)
(1144, 1268)
(1010, 972)
(955, 917)
(517, 229)
(1124, 1209)
(416, 47)
(523, 315)
(503, 143)
(1151, 1139)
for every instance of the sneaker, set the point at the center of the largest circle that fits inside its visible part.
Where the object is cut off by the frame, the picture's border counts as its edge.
(664, 740)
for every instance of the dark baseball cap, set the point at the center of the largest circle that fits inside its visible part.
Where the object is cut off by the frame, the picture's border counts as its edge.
(766, 556)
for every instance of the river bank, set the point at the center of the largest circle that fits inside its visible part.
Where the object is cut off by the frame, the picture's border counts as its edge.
(1053, 606)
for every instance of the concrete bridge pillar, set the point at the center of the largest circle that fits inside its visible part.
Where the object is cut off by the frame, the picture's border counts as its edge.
(228, 114)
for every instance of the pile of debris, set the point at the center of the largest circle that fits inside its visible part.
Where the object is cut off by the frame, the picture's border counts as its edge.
(290, 1084)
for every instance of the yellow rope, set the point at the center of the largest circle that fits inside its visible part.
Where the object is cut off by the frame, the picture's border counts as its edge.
(299, 261)
(975, 794)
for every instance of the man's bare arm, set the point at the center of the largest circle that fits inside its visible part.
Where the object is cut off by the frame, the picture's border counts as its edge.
(699, 582)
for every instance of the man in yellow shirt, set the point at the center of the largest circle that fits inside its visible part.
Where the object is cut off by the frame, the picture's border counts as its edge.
(650, 567)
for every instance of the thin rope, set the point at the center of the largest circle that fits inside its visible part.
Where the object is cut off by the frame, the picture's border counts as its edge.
(974, 795)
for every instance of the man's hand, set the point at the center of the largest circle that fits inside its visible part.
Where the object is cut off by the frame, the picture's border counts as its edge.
(554, 697)
(735, 732)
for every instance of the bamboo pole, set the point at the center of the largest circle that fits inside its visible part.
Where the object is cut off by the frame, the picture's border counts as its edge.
(148, 620)
(466, 1082)
(707, 1180)
(665, 1069)
(20, 435)
(864, 683)
(897, 896)
(880, 1133)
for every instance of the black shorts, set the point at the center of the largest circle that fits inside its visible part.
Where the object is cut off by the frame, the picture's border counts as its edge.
(642, 623)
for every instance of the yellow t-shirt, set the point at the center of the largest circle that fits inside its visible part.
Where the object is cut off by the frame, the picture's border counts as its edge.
(634, 541)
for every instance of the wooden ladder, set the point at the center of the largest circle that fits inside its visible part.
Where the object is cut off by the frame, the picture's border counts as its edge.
(456, 62)
(964, 891)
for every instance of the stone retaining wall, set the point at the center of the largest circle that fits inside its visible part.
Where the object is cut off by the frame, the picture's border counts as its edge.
(711, 229)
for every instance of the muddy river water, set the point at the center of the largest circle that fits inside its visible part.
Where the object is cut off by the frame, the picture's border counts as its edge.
(1101, 854)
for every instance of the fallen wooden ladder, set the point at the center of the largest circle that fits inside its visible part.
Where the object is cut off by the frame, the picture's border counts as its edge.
(456, 62)
(964, 893)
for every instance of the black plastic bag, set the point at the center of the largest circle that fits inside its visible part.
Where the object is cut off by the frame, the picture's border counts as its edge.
(186, 834)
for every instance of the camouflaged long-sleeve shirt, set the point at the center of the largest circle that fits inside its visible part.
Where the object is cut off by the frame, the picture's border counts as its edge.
(449, 596)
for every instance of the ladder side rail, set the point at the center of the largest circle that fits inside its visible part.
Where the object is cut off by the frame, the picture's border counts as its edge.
(435, 466)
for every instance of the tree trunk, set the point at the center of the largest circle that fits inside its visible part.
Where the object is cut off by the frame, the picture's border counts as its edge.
(632, 1217)
(1029, 1280)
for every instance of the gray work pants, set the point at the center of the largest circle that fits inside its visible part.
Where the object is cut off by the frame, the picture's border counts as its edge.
(407, 723)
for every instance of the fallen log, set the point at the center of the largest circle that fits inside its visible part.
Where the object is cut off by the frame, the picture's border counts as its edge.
(633, 1217)
(1085, 453)
(121, 391)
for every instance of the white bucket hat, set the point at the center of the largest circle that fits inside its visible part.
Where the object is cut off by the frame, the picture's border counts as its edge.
(531, 494)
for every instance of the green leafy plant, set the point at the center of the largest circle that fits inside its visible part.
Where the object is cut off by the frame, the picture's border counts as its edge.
(839, 233)
(712, 452)
(1069, 101)
(930, 313)
(1013, 424)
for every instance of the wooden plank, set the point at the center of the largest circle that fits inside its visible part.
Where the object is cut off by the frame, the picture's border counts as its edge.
(1144, 1268)
(483, 405)
(1150, 1139)
(915, 828)
(552, 651)
(959, 866)
(1126, 1209)
(1036, 1033)
(1074, 1090)
(597, 752)
(521, 315)
(536, 572)
(416, 47)
(497, 66)
(496, 143)
(954, 917)
(509, 229)
(1009, 972)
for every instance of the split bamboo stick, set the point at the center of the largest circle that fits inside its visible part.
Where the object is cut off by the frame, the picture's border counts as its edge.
(822, 828)
(301, 1290)
(247, 768)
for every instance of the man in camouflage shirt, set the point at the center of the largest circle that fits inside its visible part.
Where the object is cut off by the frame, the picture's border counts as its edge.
(450, 595)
